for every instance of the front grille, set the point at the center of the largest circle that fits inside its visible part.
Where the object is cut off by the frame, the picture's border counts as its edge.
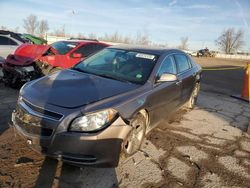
(31, 129)
(44, 112)
(31, 124)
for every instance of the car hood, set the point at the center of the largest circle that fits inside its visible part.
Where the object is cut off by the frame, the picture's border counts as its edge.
(72, 89)
(28, 53)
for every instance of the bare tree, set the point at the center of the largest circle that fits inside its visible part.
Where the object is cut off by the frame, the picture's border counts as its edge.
(16, 29)
(127, 40)
(60, 32)
(230, 41)
(114, 37)
(3, 27)
(81, 35)
(31, 24)
(142, 39)
(43, 28)
(92, 36)
(161, 45)
(184, 43)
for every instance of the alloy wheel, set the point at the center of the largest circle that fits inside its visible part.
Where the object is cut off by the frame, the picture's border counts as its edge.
(135, 138)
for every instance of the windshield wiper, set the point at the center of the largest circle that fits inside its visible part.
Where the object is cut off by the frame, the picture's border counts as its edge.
(80, 70)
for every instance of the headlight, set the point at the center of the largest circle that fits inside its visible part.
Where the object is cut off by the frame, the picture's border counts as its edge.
(94, 121)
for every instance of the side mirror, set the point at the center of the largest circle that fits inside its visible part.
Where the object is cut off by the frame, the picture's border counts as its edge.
(77, 55)
(166, 78)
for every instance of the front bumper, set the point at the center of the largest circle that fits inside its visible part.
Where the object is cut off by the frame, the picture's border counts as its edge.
(19, 74)
(100, 149)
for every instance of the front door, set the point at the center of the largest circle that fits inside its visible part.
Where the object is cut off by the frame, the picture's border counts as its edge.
(165, 97)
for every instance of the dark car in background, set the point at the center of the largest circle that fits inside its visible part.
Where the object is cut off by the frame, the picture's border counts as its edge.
(205, 53)
(106, 104)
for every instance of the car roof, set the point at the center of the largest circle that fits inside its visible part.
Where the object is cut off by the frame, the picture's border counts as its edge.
(85, 42)
(84, 39)
(13, 35)
(147, 49)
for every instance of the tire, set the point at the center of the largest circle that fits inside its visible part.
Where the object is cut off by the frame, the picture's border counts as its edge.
(135, 138)
(193, 98)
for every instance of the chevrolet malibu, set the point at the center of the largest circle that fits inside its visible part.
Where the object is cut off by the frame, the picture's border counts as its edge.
(106, 104)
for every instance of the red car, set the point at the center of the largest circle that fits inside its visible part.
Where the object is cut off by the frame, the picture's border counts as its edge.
(32, 61)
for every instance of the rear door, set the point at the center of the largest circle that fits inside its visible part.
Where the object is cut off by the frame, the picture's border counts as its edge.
(7, 46)
(185, 76)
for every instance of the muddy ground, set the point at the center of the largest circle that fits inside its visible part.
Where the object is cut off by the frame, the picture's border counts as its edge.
(205, 147)
(217, 62)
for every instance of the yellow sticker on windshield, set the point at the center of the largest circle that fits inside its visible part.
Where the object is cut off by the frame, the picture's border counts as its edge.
(145, 56)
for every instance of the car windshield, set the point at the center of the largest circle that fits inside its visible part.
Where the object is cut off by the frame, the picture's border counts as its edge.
(122, 65)
(63, 47)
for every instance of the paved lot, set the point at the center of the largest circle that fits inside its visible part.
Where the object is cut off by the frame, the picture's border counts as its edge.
(217, 80)
(8, 98)
(194, 149)
(205, 147)
(213, 82)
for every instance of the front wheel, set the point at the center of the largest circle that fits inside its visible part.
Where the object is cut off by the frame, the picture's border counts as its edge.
(134, 140)
(193, 98)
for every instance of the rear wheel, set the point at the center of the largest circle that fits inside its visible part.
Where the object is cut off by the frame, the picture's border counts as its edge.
(193, 98)
(134, 140)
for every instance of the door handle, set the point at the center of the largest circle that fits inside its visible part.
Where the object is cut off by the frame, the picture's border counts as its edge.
(179, 82)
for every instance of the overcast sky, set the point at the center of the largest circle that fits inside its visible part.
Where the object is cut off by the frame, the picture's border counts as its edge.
(165, 21)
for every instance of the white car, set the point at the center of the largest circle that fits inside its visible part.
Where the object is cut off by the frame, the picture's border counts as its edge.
(9, 42)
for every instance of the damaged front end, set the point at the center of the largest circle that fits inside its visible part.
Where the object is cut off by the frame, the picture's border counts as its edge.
(24, 66)
(17, 75)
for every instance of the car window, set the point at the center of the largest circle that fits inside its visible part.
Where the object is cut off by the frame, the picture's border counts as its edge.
(190, 61)
(167, 66)
(103, 58)
(181, 62)
(89, 49)
(123, 65)
(63, 47)
(6, 41)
